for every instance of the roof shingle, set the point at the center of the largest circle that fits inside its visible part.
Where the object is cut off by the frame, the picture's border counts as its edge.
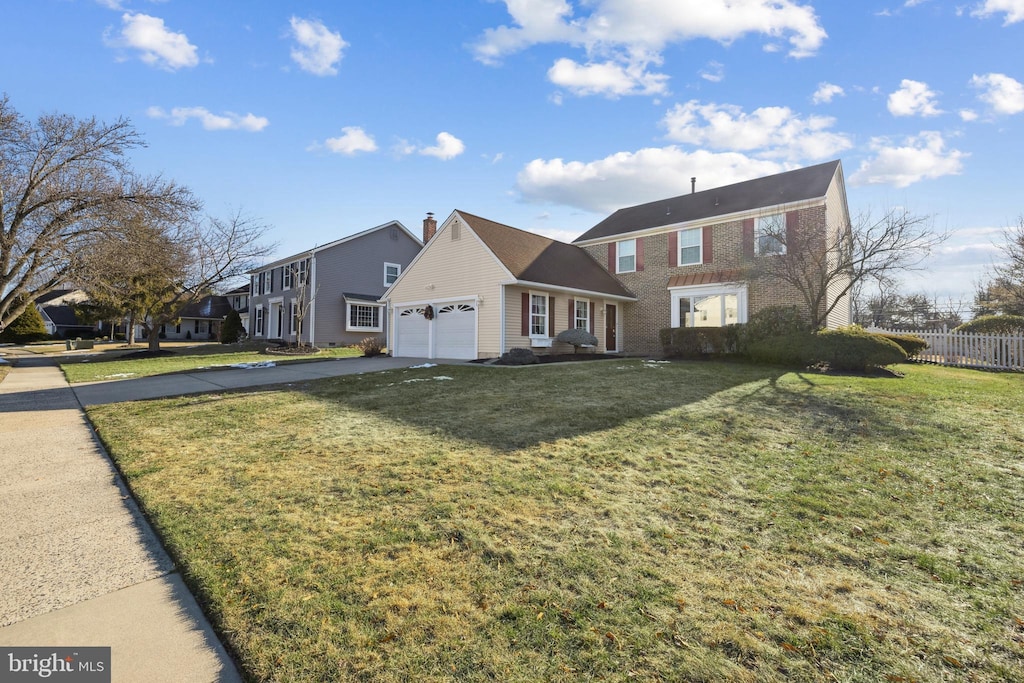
(801, 184)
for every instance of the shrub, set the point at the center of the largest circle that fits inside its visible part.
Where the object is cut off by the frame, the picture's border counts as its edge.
(910, 343)
(27, 327)
(774, 321)
(993, 324)
(518, 356)
(699, 342)
(577, 338)
(231, 330)
(849, 349)
(371, 346)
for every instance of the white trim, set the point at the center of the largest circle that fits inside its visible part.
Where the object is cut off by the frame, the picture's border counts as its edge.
(619, 257)
(728, 288)
(680, 247)
(348, 316)
(444, 300)
(544, 336)
(397, 275)
(575, 316)
(558, 288)
(312, 309)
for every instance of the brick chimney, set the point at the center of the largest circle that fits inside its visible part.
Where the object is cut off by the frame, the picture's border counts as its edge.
(429, 227)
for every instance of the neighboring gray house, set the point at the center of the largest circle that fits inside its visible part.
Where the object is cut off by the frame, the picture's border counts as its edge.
(328, 295)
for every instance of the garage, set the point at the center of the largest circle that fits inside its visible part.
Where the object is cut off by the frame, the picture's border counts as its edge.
(412, 333)
(450, 331)
(455, 331)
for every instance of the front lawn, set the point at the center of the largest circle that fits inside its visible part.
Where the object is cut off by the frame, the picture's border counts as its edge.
(182, 359)
(619, 520)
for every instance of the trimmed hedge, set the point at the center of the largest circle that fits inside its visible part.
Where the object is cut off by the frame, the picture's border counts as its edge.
(993, 324)
(910, 343)
(850, 349)
(26, 328)
(700, 342)
(231, 330)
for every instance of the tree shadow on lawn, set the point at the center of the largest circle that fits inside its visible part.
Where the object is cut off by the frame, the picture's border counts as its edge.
(508, 409)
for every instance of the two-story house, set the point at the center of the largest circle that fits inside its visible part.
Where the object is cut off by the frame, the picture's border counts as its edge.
(328, 295)
(479, 287)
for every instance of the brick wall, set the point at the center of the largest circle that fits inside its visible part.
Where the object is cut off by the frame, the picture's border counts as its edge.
(652, 312)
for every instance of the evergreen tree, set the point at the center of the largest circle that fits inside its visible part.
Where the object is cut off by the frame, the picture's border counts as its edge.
(231, 329)
(27, 327)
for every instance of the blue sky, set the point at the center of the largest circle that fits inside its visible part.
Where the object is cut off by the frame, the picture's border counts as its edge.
(324, 118)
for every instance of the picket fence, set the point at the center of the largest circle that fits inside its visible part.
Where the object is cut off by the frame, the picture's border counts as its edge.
(969, 350)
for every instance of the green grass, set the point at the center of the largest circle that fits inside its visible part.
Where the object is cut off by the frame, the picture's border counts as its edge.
(614, 520)
(185, 359)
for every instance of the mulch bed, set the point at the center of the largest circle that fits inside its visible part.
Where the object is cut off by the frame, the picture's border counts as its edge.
(561, 358)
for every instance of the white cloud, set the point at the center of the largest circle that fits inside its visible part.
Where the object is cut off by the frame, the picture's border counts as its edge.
(920, 157)
(826, 92)
(178, 116)
(1004, 94)
(769, 132)
(1014, 10)
(968, 115)
(158, 45)
(628, 36)
(448, 147)
(714, 72)
(629, 178)
(610, 79)
(913, 98)
(352, 140)
(319, 49)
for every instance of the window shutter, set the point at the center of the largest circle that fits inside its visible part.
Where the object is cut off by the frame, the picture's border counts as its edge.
(639, 254)
(748, 237)
(572, 313)
(709, 252)
(611, 257)
(526, 314)
(551, 316)
(792, 221)
(591, 317)
(673, 249)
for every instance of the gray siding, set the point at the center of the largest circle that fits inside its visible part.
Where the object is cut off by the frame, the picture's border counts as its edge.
(354, 266)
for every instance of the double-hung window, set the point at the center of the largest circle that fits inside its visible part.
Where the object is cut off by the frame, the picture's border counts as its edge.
(625, 256)
(286, 277)
(391, 273)
(581, 314)
(259, 321)
(770, 235)
(690, 246)
(538, 315)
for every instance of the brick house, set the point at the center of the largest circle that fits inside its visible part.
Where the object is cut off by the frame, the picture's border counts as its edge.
(479, 287)
(689, 259)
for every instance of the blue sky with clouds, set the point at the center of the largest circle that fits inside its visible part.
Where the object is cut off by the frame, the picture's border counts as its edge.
(323, 118)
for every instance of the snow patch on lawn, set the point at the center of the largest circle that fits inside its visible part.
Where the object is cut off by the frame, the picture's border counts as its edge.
(252, 366)
(425, 365)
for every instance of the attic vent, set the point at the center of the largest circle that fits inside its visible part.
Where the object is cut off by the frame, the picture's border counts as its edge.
(393, 234)
(456, 231)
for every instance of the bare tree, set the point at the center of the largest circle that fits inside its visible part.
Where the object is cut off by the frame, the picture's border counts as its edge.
(1004, 292)
(153, 270)
(305, 296)
(825, 263)
(63, 182)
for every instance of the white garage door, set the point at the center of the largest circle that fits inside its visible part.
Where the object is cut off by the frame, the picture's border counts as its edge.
(412, 334)
(455, 331)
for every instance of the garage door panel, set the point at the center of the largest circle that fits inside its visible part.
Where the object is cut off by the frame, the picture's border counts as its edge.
(412, 333)
(455, 331)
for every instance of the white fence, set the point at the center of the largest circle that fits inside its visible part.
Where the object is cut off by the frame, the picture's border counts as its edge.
(968, 350)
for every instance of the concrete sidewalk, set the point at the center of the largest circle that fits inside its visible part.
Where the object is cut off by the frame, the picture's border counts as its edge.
(79, 564)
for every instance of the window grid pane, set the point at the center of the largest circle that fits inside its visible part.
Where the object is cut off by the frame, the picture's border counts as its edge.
(538, 314)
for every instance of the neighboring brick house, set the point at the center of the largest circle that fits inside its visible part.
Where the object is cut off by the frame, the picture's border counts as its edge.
(330, 291)
(688, 258)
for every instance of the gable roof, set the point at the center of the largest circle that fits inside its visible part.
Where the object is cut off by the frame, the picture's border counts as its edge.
(310, 252)
(62, 316)
(534, 258)
(209, 307)
(801, 184)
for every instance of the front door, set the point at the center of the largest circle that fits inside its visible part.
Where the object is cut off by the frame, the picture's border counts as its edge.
(611, 342)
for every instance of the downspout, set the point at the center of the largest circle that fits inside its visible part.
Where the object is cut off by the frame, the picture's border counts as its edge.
(501, 317)
(312, 308)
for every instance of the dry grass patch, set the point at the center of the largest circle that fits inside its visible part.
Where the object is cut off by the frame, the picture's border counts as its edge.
(684, 521)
